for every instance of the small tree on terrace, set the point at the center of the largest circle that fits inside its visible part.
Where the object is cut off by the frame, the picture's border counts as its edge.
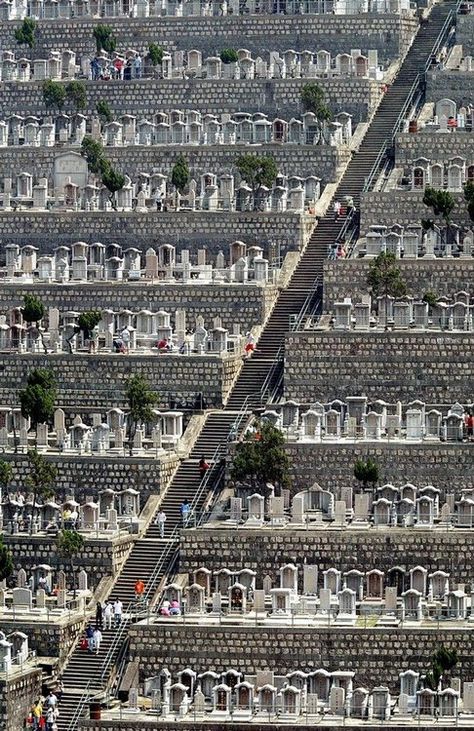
(76, 93)
(257, 171)
(469, 197)
(104, 112)
(155, 54)
(229, 55)
(70, 544)
(54, 94)
(313, 100)
(33, 311)
(37, 399)
(113, 181)
(104, 38)
(93, 151)
(141, 401)
(40, 479)
(443, 661)
(86, 323)
(442, 202)
(261, 458)
(6, 476)
(366, 472)
(384, 277)
(25, 34)
(180, 174)
(6, 561)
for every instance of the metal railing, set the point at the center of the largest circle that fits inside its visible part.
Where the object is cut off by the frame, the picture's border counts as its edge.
(79, 710)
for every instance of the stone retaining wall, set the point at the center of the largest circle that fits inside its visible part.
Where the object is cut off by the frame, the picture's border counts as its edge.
(100, 380)
(375, 654)
(435, 147)
(85, 477)
(455, 85)
(403, 207)
(185, 229)
(234, 303)
(142, 97)
(432, 366)
(100, 557)
(348, 277)
(324, 161)
(144, 724)
(389, 34)
(16, 696)
(266, 550)
(47, 638)
(465, 33)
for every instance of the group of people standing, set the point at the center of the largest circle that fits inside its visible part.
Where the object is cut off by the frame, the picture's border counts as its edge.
(44, 713)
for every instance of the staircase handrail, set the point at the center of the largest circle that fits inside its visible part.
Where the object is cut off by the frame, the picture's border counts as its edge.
(442, 35)
(109, 659)
(84, 698)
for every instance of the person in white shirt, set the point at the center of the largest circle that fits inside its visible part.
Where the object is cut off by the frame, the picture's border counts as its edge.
(160, 521)
(97, 640)
(117, 612)
(108, 614)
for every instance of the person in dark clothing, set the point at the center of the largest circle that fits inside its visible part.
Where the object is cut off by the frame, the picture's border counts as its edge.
(98, 615)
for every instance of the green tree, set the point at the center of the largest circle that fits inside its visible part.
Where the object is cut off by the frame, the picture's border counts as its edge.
(6, 561)
(180, 174)
(40, 479)
(113, 181)
(366, 472)
(442, 202)
(141, 401)
(76, 93)
(70, 545)
(104, 112)
(37, 399)
(261, 458)
(313, 100)
(93, 151)
(229, 55)
(430, 297)
(6, 476)
(86, 323)
(442, 662)
(104, 38)
(257, 171)
(155, 54)
(469, 197)
(54, 94)
(384, 278)
(25, 34)
(33, 310)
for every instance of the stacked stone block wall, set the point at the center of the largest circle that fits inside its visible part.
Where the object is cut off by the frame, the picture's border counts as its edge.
(389, 34)
(234, 303)
(16, 696)
(432, 366)
(85, 477)
(453, 84)
(142, 97)
(47, 638)
(99, 381)
(348, 278)
(324, 161)
(373, 653)
(184, 229)
(465, 33)
(99, 557)
(403, 207)
(433, 146)
(265, 551)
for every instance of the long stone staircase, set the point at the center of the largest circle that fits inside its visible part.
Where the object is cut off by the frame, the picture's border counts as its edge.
(150, 558)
